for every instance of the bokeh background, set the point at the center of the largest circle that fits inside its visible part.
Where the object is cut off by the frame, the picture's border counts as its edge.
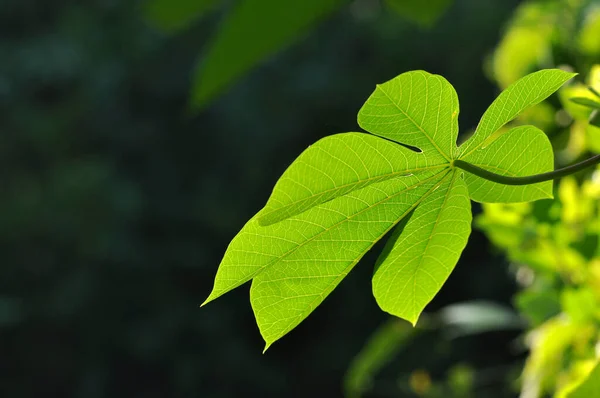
(118, 200)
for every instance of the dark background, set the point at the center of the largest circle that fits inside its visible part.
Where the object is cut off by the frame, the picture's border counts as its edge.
(116, 206)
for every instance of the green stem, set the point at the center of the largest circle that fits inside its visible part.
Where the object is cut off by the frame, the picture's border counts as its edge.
(534, 179)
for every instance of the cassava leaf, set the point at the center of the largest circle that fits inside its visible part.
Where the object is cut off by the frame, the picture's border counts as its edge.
(335, 166)
(417, 109)
(345, 192)
(253, 30)
(522, 151)
(522, 94)
(419, 257)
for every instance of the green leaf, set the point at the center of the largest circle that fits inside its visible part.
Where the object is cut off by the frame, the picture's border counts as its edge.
(518, 97)
(590, 387)
(416, 109)
(522, 151)
(315, 250)
(174, 15)
(335, 166)
(586, 102)
(345, 192)
(418, 258)
(254, 30)
(424, 13)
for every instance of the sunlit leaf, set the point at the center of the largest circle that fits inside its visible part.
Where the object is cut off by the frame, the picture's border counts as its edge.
(521, 151)
(347, 191)
(519, 96)
(337, 165)
(420, 256)
(417, 109)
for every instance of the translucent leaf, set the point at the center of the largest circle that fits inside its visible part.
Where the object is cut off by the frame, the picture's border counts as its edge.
(417, 109)
(347, 191)
(252, 31)
(311, 253)
(424, 13)
(419, 257)
(519, 96)
(174, 15)
(522, 151)
(337, 165)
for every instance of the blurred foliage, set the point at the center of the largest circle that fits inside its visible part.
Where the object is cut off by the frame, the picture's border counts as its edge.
(254, 29)
(450, 322)
(554, 245)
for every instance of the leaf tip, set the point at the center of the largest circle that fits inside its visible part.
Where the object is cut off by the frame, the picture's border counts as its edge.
(413, 321)
(210, 298)
(267, 345)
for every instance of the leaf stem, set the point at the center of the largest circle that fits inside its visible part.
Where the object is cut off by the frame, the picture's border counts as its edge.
(527, 180)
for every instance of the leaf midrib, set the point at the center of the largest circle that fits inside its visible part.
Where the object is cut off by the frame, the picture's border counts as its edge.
(435, 225)
(371, 180)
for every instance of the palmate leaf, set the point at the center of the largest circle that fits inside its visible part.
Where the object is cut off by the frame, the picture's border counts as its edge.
(345, 192)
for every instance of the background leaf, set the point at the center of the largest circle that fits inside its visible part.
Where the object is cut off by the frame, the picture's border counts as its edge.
(335, 166)
(424, 13)
(240, 44)
(590, 103)
(174, 15)
(418, 258)
(308, 255)
(519, 96)
(415, 108)
(521, 151)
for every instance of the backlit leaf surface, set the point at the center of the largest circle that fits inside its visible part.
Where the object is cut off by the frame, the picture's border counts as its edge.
(419, 257)
(522, 151)
(345, 192)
